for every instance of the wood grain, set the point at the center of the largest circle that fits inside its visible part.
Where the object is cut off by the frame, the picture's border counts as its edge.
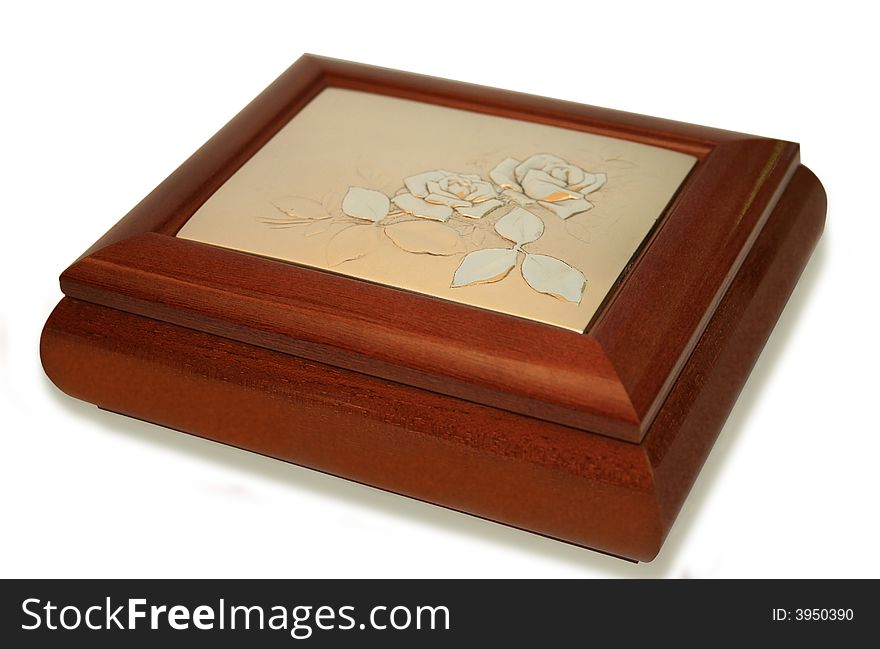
(556, 480)
(612, 380)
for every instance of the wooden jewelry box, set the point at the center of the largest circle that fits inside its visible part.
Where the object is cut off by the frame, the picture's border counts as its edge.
(525, 309)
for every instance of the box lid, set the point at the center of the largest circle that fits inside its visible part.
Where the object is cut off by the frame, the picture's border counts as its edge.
(552, 259)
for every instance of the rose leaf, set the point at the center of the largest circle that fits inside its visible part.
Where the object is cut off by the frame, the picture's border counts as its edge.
(520, 226)
(484, 266)
(425, 237)
(300, 207)
(366, 204)
(353, 242)
(549, 275)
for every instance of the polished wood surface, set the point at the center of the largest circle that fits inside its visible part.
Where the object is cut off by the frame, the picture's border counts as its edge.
(611, 380)
(583, 487)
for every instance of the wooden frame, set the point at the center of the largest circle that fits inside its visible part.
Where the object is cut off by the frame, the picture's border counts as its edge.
(614, 407)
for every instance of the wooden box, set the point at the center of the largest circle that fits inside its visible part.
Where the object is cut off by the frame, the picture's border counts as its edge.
(528, 310)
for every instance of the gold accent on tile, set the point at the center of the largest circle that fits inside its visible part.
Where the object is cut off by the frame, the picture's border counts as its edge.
(526, 219)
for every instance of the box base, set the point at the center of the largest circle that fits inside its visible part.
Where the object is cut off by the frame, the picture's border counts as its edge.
(614, 496)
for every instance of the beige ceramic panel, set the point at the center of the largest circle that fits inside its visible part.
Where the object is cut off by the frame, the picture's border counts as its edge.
(526, 219)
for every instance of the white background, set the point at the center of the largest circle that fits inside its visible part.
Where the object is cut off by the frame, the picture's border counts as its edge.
(101, 102)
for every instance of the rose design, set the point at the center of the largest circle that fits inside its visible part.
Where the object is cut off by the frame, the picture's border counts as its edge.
(549, 180)
(437, 194)
(419, 222)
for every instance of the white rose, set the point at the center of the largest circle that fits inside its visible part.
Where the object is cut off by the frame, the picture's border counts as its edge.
(551, 181)
(437, 194)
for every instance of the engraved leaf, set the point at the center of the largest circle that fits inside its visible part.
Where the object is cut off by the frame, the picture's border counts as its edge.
(520, 226)
(331, 201)
(578, 231)
(478, 238)
(427, 237)
(318, 227)
(300, 207)
(618, 161)
(463, 229)
(353, 242)
(366, 204)
(287, 223)
(484, 266)
(549, 275)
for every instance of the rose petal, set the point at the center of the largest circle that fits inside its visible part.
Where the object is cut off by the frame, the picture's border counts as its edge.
(451, 201)
(433, 187)
(418, 184)
(365, 204)
(441, 189)
(502, 175)
(455, 186)
(569, 174)
(560, 173)
(576, 176)
(543, 187)
(417, 207)
(540, 174)
(565, 209)
(538, 161)
(480, 210)
(483, 191)
(591, 183)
